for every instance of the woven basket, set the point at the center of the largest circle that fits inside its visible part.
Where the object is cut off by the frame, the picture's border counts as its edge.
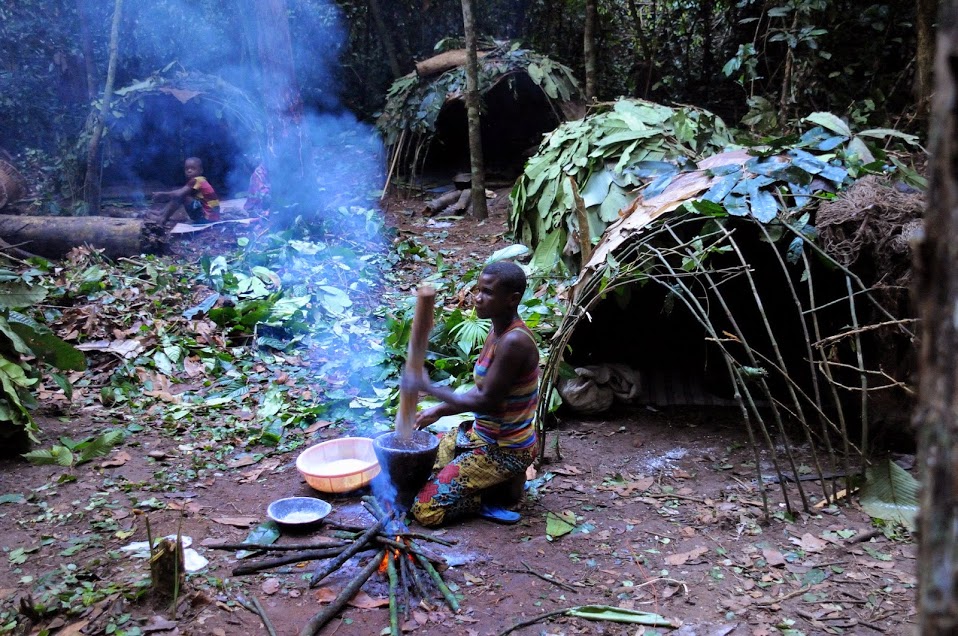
(12, 185)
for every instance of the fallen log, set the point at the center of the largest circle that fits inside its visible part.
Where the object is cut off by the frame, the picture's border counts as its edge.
(54, 236)
(434, 206)
(443, 62)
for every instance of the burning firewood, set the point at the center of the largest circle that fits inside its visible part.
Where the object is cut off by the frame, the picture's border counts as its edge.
(322, 572)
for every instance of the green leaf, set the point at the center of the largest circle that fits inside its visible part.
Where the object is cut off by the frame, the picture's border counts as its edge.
(619, 615)
(560, 524)
(831, 122)
(890, 493)
(50, 349)
(508, 253)
(58, 456)
(334, 300)
(18, 295)
(265, 533)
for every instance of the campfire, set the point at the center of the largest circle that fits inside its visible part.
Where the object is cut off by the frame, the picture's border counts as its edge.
(412, 573)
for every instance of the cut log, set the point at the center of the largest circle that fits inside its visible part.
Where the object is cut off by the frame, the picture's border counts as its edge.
(54, 236)
(443, 62)
(433, 206)
(461, 203)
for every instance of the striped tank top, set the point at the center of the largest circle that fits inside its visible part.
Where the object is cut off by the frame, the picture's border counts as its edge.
(511, 424)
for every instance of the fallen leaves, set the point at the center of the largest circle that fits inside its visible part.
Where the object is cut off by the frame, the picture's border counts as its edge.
(682, 558)
(237, 522)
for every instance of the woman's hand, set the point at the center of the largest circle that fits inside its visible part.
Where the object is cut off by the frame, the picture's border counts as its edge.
(426, 417)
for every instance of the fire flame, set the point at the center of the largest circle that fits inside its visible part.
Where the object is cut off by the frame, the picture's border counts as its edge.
(384, 564)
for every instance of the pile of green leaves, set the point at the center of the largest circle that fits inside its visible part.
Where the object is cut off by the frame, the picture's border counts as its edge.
(27, 350)
(413, 103)
(606, 156)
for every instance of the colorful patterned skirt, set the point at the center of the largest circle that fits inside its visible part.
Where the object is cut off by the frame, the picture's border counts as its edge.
(462, 472)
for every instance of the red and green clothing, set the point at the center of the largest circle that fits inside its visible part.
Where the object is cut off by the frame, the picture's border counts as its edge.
(202, 191)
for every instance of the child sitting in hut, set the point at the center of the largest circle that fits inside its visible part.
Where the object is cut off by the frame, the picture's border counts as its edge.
(198, 197)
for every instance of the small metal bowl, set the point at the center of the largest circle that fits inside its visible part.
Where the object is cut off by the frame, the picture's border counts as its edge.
(297, 511)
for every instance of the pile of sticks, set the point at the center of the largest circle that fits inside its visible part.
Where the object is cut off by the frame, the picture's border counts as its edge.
(405, 563)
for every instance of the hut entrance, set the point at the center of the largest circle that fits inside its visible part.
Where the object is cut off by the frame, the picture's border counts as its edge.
(516, 113)
(160, 121)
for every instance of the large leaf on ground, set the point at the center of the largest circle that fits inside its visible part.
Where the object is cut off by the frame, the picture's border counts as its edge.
(17, 295)
(619, 615)
(48, 347)
(890, 493)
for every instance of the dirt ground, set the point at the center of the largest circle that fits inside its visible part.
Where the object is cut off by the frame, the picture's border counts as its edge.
(667, 518)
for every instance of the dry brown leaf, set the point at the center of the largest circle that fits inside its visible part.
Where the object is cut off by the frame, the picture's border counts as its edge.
(73, 629)
(119, 459)
(567, 470)
(315, 426)
(809, 543)
(270, 586)
(365, 601)
(325, 595)
(239, 522)
(247, 459)
(684, 557)
(420, 617)
(773, 557)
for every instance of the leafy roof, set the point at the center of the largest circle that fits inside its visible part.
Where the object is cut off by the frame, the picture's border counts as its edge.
(650, 158)
(228, 100)
(413, 103)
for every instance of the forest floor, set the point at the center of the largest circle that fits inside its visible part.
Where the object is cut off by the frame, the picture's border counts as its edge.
(668, 519)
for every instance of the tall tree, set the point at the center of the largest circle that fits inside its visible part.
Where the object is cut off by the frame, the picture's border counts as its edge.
(936, 417)
(479, 209)
(91, 181)
(589, 50)
(925, 14)
(287, 141)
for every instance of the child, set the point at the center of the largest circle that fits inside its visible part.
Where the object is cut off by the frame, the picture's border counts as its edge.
(198, 197)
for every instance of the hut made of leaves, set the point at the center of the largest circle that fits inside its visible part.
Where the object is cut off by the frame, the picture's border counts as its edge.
(715, 274)
(157, 122)
(524, 94)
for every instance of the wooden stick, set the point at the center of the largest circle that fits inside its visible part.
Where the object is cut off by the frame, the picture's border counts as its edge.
(426, 537)
(544, 577)
(533, 620)
(277, 548)
(408, 548)
(393, 599)
(265, 564)
(316, 623)
(437, 579)
(322, 572)
(416, 353)
(256, 607)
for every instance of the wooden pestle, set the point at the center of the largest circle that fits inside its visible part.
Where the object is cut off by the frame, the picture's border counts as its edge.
(415, 354)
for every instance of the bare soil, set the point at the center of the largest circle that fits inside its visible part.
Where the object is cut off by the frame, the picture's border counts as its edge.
(668, 520)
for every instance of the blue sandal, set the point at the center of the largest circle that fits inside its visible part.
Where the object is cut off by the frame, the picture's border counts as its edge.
(499, 515)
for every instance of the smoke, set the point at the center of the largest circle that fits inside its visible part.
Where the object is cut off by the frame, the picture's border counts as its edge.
(331, 160)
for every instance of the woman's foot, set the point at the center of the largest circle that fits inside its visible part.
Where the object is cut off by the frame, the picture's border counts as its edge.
(499, 515)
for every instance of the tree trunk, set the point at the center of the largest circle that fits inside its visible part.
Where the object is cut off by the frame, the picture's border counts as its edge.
(385, 38)
(588, 49)
(86, 46)
(479, 209)
(926, 11)
(287, 141)
(936, 417)
(91, 181)
(54, 236)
